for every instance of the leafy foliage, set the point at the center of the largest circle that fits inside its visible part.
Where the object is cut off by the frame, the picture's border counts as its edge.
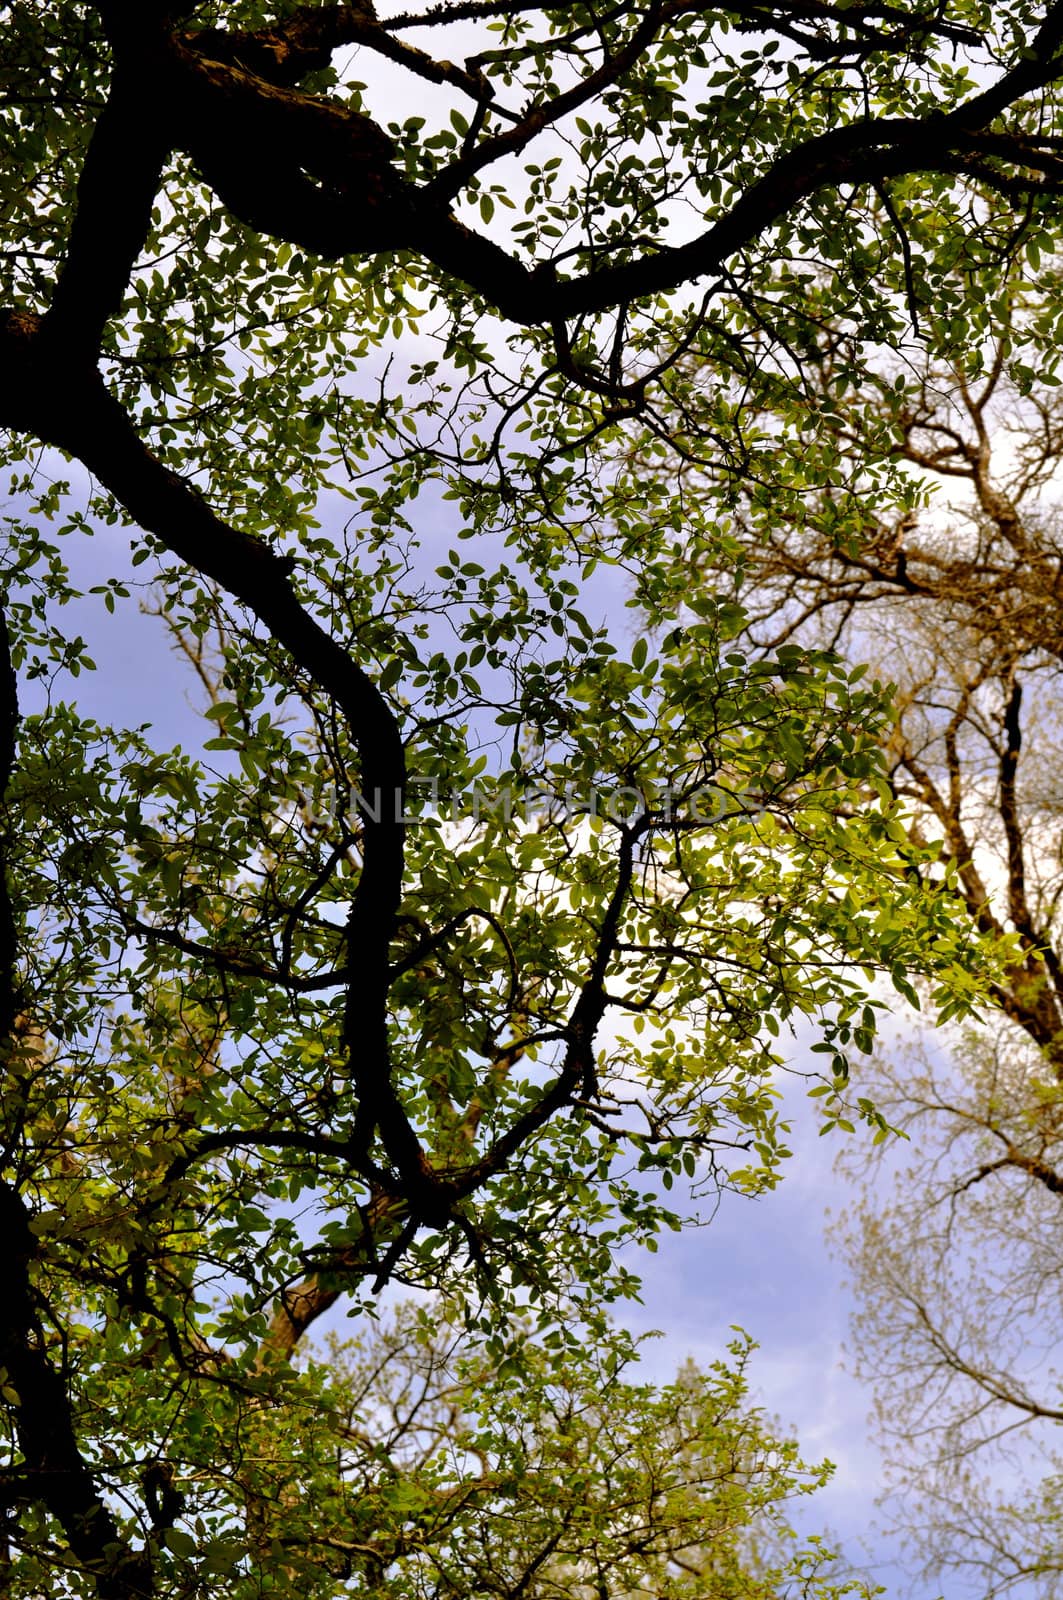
(462, 932)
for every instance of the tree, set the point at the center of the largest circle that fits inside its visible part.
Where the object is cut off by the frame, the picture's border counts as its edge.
(278, 1031)
(966, 1319)
(951, 585)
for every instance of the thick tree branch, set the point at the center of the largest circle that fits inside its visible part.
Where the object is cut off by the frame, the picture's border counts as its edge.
(57, 1471)
(1018, 907)
(9, 717)
(324, 177)
(112, 215)
(72, 409)
(54, 1472)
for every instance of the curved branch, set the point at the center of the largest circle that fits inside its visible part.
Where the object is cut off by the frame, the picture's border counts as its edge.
(111, 218)
(323, 176)
(56, 1471)
(72, 408)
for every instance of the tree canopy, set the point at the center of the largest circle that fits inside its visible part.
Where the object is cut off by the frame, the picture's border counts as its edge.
(464, 932)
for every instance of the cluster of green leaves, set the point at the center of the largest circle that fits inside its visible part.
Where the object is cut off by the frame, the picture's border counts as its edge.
(419, 1462)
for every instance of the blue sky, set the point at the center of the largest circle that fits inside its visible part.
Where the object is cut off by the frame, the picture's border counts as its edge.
(766, 1265)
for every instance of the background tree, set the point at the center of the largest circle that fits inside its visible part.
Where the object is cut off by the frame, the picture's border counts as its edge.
(269, 1041)
(423, 1469)
(951, 585)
